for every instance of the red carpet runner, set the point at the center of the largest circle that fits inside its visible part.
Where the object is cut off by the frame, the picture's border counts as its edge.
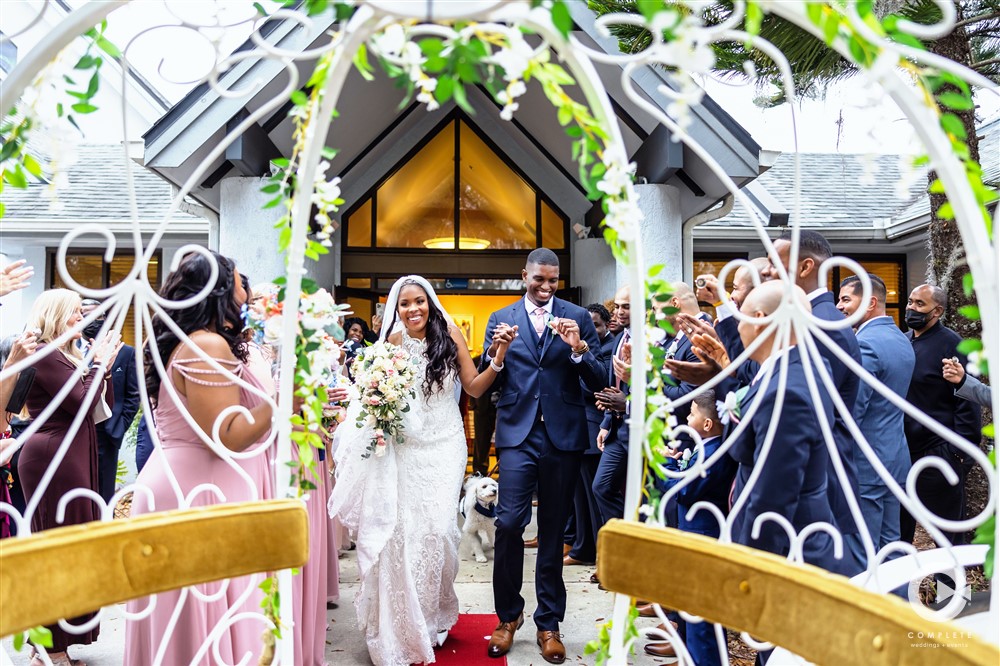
(467, 641)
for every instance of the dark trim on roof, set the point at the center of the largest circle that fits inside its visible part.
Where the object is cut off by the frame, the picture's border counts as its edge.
(213, 178)
(190, 99)
(628, 120)
(735, 129)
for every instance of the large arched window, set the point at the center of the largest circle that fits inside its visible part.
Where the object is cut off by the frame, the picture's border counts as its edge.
(455, 189)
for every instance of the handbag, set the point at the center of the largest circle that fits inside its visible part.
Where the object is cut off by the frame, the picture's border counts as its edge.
(101, 412)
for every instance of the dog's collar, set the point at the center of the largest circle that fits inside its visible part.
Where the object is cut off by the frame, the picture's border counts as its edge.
(488, 511)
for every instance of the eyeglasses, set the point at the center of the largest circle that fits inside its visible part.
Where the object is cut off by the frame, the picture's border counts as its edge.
(88, 302)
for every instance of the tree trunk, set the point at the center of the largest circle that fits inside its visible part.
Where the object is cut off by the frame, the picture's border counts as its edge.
(946, 264)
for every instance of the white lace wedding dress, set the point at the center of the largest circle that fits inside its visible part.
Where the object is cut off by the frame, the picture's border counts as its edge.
(402, 506)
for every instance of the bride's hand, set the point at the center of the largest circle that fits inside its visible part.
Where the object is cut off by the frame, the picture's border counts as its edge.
(503, 336)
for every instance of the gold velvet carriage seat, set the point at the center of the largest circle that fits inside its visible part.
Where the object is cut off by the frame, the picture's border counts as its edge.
(70, 571)
(821, 617)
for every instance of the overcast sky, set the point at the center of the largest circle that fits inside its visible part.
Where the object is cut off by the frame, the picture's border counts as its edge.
(842, 122)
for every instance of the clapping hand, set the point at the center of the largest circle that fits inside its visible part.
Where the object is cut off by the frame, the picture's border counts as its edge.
(106, 349)
(610, 400)
(708, 347)
(696, 373)
(622, 366)
(692, 325)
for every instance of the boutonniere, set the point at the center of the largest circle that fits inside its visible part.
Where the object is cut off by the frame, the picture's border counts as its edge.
(552, 322)
(729, 410)
(685, 459)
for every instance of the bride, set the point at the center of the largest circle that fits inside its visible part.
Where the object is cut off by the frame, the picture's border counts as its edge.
(402, 505)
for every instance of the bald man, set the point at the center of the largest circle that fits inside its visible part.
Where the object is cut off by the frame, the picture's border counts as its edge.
(932, 343)
(793, 473)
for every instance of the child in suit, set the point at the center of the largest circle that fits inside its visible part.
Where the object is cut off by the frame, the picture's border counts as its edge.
(714, 489)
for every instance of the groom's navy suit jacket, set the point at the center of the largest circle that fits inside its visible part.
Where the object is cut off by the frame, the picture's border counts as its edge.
(539, 375)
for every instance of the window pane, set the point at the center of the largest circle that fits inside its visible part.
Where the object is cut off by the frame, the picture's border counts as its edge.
(891, 273)
(416, 205)
(496, 205)
(359, 283)
(361, 307)
(86, 269)
(359, 226)
(553, 229)
(120, 267)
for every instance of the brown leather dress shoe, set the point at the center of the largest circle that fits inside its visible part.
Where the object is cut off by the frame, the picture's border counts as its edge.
(646, 611)
(531, 543)
(503, 636)
(552, 647)
(660, 649)
(573, 562)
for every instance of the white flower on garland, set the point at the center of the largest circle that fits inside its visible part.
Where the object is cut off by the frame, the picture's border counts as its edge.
(326, 198)
(426, 95)
(515, 89)
(391, 41)
(514, 58)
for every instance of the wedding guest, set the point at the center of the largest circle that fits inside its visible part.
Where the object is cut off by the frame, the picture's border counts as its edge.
(111, 431)
(178, 626)
(793, 476)
(13, 349)
(888, 356)
(929, 392)
(484, 419)
(58, 363)
(713, 487)
(586, 512)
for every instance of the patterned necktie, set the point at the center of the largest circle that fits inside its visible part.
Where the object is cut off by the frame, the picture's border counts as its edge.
(538, 319)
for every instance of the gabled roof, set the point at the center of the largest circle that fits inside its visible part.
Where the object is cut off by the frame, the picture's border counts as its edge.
(98, 192)
(840, 190)
(369, 112)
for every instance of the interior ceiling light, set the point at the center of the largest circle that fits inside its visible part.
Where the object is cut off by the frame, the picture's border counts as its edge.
(464, 243)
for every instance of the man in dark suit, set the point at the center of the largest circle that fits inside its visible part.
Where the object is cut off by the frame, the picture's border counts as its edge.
(793, 473)
(608, 484)
(583, 547)
(888, 356)
(813, 251)
(541, 430)
(932, 342)
(111, 432)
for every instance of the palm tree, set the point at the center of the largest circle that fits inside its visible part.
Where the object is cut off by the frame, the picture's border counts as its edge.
(974, 42)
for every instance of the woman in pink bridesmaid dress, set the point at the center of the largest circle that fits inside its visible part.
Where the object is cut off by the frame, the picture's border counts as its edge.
(187, 626)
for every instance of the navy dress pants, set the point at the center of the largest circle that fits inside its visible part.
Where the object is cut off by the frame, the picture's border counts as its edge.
(535, 464)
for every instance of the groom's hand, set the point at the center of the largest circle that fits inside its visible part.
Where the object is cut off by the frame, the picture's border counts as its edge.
(569, 331)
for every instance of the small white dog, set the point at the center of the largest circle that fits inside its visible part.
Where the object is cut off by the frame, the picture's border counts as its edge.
(478, 507)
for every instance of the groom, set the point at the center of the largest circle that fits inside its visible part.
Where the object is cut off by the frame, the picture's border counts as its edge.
(540, 438)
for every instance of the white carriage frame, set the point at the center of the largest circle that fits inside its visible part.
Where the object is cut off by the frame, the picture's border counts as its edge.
(982, 253)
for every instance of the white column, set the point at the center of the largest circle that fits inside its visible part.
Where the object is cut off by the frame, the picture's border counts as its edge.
(247, 235)
(594, 270)
(660, 230)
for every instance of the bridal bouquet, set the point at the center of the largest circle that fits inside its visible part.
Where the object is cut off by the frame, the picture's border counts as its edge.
(385, 376)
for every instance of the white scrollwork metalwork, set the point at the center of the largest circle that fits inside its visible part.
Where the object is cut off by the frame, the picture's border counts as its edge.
(687, 55)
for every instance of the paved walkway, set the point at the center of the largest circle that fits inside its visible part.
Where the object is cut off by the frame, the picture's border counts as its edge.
(587, 609)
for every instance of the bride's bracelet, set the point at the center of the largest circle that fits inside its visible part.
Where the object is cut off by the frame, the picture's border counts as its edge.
(496, 368)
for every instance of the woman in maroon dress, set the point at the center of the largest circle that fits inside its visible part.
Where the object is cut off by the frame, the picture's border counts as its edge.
(54, 313)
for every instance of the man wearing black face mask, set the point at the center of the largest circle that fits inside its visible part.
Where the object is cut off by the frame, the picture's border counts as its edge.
(931, 393)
